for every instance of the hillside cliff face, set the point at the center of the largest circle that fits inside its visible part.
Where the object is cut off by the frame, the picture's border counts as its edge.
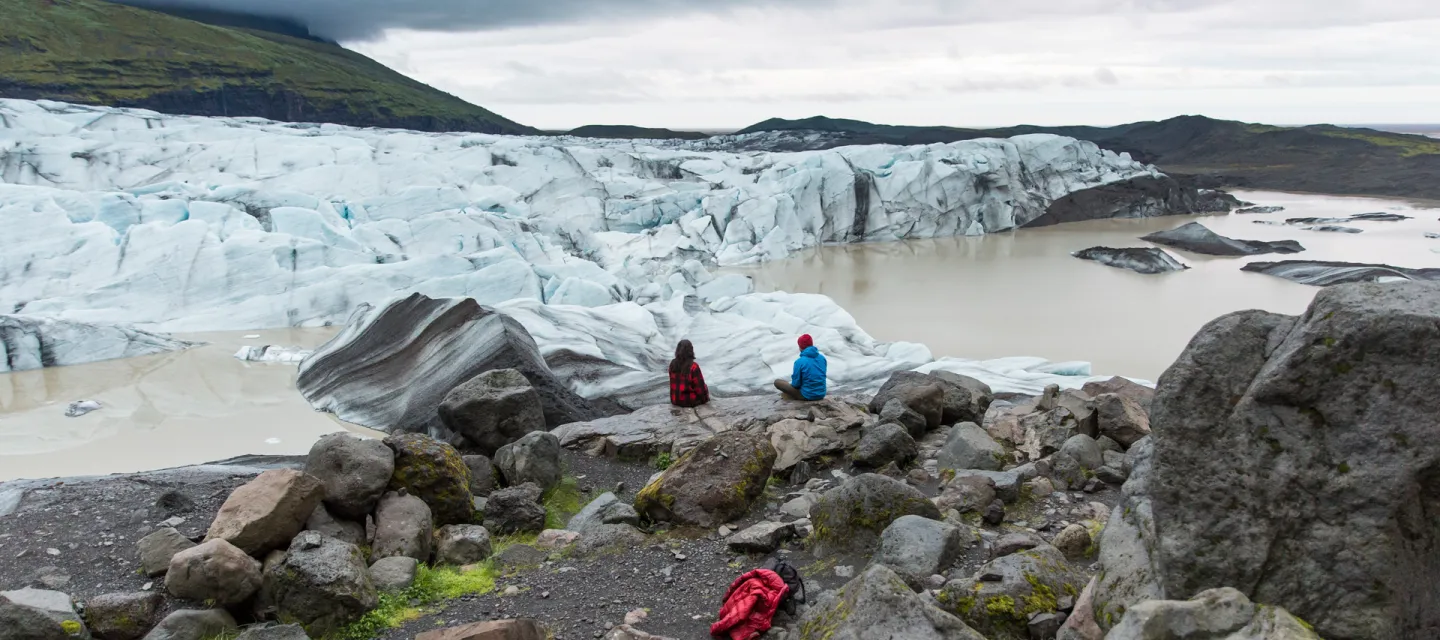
(92, 52)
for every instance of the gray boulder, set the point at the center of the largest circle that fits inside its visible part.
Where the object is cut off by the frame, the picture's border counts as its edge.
(354, 472)
(917, 548)
(1073, 541)
(896, 412)
(1045, 432)
(970, 447)
(21, 622)
(1137, 393)
(158, 548)
(1122, 419)
(851, 517)
(1007, 483)
(193, 624)
(434, 472)
(395, 573)
(966, 493)
(885, 443)
(265, 513)
(123, 616)
(1007, 591)
(1329, 467)
(322, 585)
(763, 537)
(535, 457)
(876, 605)
(1084, 450)
(482, 474)
(515, 510)
(58, 606)
(493, 409)
(327, 524)
(918, 392)
(1015, 543)
(1066, 472)
(713, 484)
(797, 441)
(604, 509)
(966, 399)
(1218, 614)
(402, 528)
(461, 544)
(271, 631)
(215, 571)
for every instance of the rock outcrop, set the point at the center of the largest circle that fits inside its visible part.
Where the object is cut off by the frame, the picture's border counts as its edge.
(1139, 197)
(1196, 238)
(712, 484)
(878, 604)
(1146, 260)
(355, 473)
(851, 517)
(391, 367)
(32, 343)
(1222, 614)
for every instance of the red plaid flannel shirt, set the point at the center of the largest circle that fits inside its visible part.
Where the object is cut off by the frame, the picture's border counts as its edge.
(688, 389)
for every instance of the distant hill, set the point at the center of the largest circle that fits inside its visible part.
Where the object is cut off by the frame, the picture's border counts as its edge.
(625, 131)
(95, 52)
(1316, 158)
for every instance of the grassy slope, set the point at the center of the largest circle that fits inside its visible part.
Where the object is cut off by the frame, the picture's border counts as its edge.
(625, 131)
(95, 52)
(1319, 158)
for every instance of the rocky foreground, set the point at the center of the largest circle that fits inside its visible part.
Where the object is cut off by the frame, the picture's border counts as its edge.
(1279, 483)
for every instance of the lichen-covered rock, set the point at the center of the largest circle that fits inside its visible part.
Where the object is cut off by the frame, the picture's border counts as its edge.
(355, 473)
(878, 604)
(921, 393)
(265, 513)
(461, 544)
(966, 494)
(322, 585)
(493, 409)
(123, 616)
(434, 472)
(515, 510)
(1073, 541)
(1218, 614)
(1029, 582)
(883, 444)
(158, 547)
(851, 517)
(20, 622)
(917, 548)
(403, 527)
(535, 457)
(193, 624)
(713, 484)
(1045, 432)
(215, 571)
(970, 447)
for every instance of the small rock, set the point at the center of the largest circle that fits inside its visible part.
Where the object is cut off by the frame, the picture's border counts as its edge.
(193, 624)
(1093, 485)
(761, 538)
(845, 571)
(556, 539)
(1044, 626)
(123, 616)
(462, 544)
(395, 573)
(995, 513)
(216, 571)
(1014, 543)
(173, 522)
(1073, 541)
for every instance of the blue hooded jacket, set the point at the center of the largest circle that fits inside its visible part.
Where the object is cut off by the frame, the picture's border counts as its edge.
(809, 374)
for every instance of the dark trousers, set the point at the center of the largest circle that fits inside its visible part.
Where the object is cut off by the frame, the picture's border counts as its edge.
(789, 390)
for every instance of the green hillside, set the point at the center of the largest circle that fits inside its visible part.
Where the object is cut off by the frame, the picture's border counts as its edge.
(629, 132)
(95, 52)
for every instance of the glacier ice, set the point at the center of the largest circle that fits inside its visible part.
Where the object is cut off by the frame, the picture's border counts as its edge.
(189, 223)
(33, 343)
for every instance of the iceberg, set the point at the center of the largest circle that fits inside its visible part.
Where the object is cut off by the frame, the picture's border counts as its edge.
(33, 343)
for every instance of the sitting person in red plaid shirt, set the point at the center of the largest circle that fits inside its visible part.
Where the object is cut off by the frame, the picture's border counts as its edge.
(687, 384)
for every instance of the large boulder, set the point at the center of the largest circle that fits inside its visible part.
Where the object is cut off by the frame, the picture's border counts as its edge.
(123, 616)
(193, 624)
(713, 484)
(322, 584)
(215, 571)
(883, 444)
(1122, 419)
(515, 510)
(797, 441)
(877, 604)
(1297, 459)
(970, 447)
(921, 393)
(1084, 450)
(56, 605)
(966, 399)
(533, 458)
(493, 409)
(1007, 591)
(604, 509)
(917, 548)
(403, 527)
(1218, 614)
(434, 472)
(158, 547)
(355, 473)
(390, 367)
(461, 544)
(1136, 392)
(21, 622)
(852, 516)
(265, 513)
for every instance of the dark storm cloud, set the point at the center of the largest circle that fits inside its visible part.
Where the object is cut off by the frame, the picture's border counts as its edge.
(366, 19)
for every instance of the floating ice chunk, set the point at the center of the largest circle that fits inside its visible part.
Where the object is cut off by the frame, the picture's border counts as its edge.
(81, 407)
(273, 353)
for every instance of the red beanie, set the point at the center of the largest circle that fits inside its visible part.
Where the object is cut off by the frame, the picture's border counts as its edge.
(806, 342)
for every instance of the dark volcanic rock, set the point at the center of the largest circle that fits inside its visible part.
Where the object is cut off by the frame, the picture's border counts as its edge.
(434, 472)
(1147, 260)
(712, 484)
(1143, 197)
(390, 367)
(1324, 274)
(493, 409)
(1260, 210)
(1298, 458)
(1197, 238)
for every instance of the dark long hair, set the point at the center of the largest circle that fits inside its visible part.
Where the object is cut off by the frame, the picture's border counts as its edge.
(684, 357)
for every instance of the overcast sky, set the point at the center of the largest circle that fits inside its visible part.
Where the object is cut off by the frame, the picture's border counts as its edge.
(730, 63)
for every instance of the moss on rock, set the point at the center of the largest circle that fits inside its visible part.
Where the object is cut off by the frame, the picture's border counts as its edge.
(434, 472)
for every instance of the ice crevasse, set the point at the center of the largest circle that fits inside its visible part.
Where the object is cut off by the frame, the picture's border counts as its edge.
(176, 223)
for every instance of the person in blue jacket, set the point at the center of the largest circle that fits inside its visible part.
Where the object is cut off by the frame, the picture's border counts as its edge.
(807, 382)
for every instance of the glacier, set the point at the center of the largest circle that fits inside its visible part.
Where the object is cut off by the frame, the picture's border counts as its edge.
(181, 223)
